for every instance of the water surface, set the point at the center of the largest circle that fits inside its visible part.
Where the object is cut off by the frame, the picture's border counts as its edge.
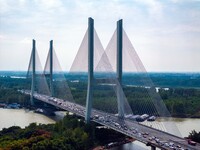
(21, 117)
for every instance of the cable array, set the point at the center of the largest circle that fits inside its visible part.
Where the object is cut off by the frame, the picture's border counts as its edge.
(107, 89)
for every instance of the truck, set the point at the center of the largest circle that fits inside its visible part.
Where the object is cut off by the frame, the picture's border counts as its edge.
(152, 118)
(142, 118)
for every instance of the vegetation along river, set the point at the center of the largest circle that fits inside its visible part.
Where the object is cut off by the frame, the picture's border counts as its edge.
(22, 118)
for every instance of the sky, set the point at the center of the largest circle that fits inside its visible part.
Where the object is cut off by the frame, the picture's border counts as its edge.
(164, 33)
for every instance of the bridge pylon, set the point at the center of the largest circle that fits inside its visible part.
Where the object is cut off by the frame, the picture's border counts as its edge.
(51, 67)
(120, 100)
(90, 69)
(33, 72)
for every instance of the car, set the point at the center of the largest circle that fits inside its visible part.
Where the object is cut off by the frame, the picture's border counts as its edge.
(161, 143)
(101, 118)
(144, 136)
(150, 139)
(116, 124)
(171, 147)
(134, 131)
(166, 145)
(171, 144)
(193, 143)
(157, 140)
(139, 134)
(132, 128)
(96, 116)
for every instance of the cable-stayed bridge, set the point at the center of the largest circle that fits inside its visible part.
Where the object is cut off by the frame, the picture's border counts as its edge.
(105, 87)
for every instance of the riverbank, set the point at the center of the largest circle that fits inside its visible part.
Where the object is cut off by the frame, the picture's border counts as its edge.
(11, 105)
(69, 133)
(196, 115)
(114, 144)
(23, 117)
(49, 112)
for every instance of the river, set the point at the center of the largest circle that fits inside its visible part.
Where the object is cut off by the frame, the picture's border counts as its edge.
(22, 118)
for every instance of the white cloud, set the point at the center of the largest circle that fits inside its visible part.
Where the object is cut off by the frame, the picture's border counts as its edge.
(2, 37)
(4, 6)
(52, 7)
(26, 41)
(148, 22)
(154, 7)
(49, 4)
(176, 1)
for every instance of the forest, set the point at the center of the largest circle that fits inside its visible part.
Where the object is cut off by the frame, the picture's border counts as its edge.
(180, 101)
(71, 133)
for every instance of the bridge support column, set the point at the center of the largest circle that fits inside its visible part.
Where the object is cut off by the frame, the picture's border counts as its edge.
(120, 99)
(51, 67)
(90, 69)
(33, 73)
(153, 148)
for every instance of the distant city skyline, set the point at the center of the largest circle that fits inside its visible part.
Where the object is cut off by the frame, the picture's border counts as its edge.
(165, 34)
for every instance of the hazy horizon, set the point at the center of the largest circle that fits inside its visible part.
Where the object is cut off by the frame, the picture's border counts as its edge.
(100, 72)
(165, 34)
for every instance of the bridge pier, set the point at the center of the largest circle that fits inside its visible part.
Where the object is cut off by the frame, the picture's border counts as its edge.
(120, 101)
(90, 69)
(153, 148)
(33, 74)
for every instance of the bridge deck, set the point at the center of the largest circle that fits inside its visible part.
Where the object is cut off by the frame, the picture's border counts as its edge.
(127, 127)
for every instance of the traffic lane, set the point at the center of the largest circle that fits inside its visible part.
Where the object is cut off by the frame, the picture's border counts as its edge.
(140, 127)
(165, 137)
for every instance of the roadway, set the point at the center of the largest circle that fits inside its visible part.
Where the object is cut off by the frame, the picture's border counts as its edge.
(142, 133)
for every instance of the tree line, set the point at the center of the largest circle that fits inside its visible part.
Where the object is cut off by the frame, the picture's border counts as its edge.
(181, 102)
(71, 133)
